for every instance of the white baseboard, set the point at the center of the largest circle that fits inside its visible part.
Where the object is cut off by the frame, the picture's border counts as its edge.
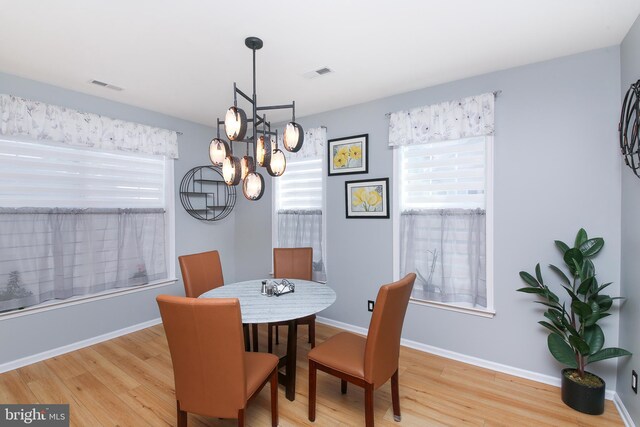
(499, 367)
(626, 417)
(19, 363)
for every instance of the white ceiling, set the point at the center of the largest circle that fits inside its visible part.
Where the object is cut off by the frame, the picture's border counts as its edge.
(182, 57)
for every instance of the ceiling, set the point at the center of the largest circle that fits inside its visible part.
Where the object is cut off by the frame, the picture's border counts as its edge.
(181, 57)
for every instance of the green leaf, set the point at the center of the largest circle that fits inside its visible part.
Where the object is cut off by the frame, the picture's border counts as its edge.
(550, 327)
(560, 274)
(582, 309)
(587, 269)
(605, 302)
(585, 286)
(579, 344)
(538, 274)
(529, 279)
(573, 258)
(608, 353)
(562, 246)
(602, 287)
(581, 237)
(591, 247)
(538, 291)
(561, 351)
(557, 322)
(548, 304)
(594, 336)
(593, 319)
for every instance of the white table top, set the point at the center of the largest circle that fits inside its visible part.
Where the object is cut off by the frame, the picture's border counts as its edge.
(308, 298)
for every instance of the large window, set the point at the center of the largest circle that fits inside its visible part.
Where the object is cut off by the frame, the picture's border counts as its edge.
(443, 181)
(77, 221)
(299, 201)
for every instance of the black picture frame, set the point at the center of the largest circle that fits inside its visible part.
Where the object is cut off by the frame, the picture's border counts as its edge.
(367, 198)
(348, 155)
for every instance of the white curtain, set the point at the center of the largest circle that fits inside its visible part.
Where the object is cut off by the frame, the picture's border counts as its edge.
(463, 118)
(303, 228)
(446, 250)
(45, 122)
(58, 253)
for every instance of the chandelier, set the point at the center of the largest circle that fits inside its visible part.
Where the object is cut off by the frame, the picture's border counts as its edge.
(263, 141)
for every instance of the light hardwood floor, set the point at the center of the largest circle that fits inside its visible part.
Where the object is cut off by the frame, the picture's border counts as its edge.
(128, 381)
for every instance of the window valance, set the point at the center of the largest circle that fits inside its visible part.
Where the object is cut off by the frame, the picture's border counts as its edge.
(40, 121)
(315, 143)
(463, 118)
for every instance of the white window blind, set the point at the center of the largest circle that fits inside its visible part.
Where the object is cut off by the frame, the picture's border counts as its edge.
(39, 175)
(441, 175)
(300, 187)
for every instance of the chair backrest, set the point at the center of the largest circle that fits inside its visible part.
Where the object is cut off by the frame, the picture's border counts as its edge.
(207, 353)
(383, 340)
(201, 272)
(293, 263)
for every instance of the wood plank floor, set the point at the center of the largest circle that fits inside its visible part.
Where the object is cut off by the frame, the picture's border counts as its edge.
(128, 381)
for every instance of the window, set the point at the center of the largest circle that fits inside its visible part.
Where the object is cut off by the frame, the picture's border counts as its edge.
(76, 221)
(298, 219)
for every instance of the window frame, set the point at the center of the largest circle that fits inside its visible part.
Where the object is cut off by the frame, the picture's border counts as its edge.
(170, 250)
(488, 312)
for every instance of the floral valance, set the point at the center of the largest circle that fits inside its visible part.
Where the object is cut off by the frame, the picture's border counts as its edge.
(314, 145)
(40, 121)
(464, 118)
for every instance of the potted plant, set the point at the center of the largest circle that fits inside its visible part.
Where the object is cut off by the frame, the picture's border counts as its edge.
(575, 339)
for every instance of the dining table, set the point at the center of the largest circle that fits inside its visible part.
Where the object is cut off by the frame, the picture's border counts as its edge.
(307, 298)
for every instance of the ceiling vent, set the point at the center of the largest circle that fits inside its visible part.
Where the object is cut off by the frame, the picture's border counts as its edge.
(318, 73)
(106, 85)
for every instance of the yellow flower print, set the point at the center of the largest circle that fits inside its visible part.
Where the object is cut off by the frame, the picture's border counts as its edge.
(367, 198)
(340, 160)
(343, 151)
(355, 152)
(373, 198)
(359, 196)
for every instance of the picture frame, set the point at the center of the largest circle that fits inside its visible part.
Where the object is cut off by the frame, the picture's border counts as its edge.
(348, 155)
(367, 198)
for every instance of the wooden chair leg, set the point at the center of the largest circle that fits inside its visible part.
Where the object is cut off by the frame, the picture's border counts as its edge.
(343, 386)
(254, 333)
(274, 398)
(241, 417)
(182, 416)
(312, 390)
(277, 335)
(395, 397)
(247, 341)
(368, 405)
(270, 338)
(312, 333)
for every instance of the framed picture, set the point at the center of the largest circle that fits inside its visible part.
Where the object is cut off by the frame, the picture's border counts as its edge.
(367, 198)
(348, 155)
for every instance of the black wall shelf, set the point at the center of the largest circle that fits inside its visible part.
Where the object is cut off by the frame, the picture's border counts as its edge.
(205, 195)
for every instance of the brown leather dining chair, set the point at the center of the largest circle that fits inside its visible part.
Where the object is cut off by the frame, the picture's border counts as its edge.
(293, 263)
(369, 361)
(202, 272)
(213, 374)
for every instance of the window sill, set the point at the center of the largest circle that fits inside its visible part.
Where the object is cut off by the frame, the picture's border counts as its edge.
(56, 304)
(458, 309)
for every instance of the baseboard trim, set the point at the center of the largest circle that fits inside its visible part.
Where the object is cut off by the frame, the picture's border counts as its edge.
(626, 417)
(499, 367)
(19, 363)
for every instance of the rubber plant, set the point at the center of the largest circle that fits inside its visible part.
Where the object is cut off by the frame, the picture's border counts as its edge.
(575, 338)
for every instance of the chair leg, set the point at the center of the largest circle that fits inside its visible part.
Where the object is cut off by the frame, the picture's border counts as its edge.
(368, 405)
(395, 397)
(343, 386)
(270, 338)
(312, 390)
(247, 341)
(254, 332)
(241, 417)
(277, 335)
(312, 333)
(182, 416)
(274, 398)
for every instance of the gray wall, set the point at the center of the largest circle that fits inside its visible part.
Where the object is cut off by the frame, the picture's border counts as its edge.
(630, 288)
(557, 169)
(31, 334)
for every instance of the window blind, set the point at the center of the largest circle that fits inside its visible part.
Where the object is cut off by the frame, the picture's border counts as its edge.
(441, 175)
(301, 185)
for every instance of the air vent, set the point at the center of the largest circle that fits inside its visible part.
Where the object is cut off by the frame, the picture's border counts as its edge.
(317, 73)
(107, 85)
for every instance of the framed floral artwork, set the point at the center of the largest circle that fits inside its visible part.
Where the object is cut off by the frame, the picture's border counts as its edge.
(367, 198)
(348, 155)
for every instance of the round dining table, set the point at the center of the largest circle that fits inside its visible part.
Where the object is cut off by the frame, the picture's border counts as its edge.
(308, 298)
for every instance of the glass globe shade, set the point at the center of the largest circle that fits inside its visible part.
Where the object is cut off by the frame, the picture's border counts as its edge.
(253, 186)
(235, 123)
(293, 137)
(231, 170)
(278, 163)
(218, 150)
(246, 166)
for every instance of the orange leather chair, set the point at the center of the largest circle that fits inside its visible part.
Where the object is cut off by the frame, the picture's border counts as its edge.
(367, 362)
(201, 273)
(214, 376)
(293, 263)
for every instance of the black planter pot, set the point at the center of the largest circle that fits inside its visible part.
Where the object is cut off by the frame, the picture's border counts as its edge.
(588, 400)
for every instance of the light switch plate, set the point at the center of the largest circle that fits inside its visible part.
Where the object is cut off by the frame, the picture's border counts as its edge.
(634, 381)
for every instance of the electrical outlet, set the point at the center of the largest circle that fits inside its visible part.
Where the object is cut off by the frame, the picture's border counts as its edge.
(634, 381)
(370, 305)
